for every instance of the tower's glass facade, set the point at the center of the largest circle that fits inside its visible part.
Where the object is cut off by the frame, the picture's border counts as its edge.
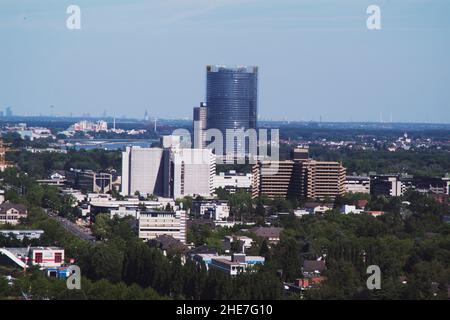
(231, 97)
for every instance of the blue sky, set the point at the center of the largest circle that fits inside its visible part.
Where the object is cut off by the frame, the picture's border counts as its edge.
(316, 57)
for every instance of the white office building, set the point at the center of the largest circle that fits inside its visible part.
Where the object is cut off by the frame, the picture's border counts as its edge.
(142, 171)
(233, 181)
(191, 173)
(157, 223)
(170, 172)
(200, 125)
(216, 210)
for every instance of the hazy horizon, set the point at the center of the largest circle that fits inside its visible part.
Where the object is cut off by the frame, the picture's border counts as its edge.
(316, 58)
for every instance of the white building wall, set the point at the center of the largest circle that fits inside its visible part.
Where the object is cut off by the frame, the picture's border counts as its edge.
(142, 170)
(194, 171)
(163, 223)
(233, 181)
(355, 185)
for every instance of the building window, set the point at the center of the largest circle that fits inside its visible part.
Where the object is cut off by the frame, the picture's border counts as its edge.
(38, 257)
(58, 257)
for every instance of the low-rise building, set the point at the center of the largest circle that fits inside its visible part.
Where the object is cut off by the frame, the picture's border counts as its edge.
(44, 257)
(243, 242)
(89, 181)
(213, 209)
(232, 265)
(11, 213)
(76, 194)
(346, 209)
(127, 207)
(317, 207)
(301, 212)
(375, 213)
(233, 181)
(313, 267)
(357, 184)
(169, 245)
(271, 234)
(22, 234)
(386, 184)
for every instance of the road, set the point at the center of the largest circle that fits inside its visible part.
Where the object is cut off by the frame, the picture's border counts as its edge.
(82, 233)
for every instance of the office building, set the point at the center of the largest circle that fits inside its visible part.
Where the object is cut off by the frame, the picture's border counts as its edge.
(157, 223)
(212, 209)
(170, 171)
(199, 126)
(86, 126)
(190, 172)
(232, 101)
(357, 184)
(142, 171)
(300, 153)
(233, 181)
(386, 184)
(89, 181)
(170, 141)
(426, 185)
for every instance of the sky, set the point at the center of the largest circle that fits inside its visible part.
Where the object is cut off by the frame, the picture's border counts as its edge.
(317, 59)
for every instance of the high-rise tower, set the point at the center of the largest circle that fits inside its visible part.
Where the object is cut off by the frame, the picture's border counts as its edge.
(199, 126)
(231, 98)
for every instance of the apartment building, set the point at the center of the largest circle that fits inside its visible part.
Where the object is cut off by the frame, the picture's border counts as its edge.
(298, 178)
(277, 179)
(323, 179)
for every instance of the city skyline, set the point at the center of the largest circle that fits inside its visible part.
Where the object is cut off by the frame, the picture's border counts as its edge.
(316, 61)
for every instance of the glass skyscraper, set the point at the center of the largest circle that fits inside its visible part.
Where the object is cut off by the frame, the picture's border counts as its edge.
(231, 97)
